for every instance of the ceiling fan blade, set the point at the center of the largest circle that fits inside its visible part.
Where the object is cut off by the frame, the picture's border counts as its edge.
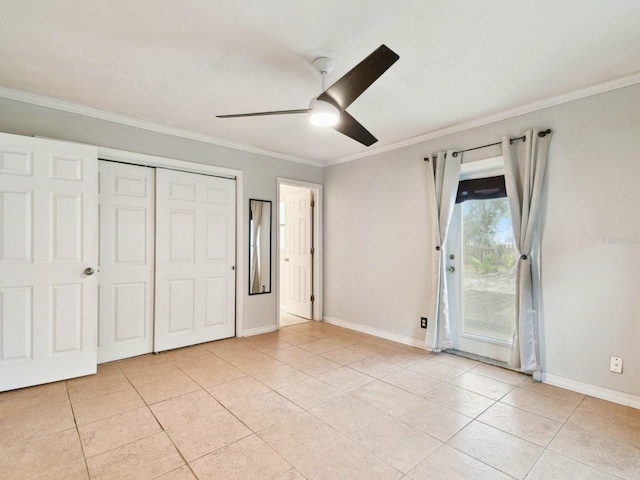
(359, 78)
(264, 114)
(350, 127)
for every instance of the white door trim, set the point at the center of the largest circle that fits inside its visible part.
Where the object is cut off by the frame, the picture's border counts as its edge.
(162, 162)
(317, 244)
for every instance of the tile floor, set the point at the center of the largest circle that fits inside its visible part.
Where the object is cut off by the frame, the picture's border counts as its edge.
(286, 319)
(312, 401)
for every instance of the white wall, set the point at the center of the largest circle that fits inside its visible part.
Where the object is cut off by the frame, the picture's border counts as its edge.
(260, 171)
(377, 244)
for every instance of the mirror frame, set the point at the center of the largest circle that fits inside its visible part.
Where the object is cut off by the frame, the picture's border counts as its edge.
(270, 245)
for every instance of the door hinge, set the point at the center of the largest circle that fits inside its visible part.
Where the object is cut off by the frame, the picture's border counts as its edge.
(313, 298)
(313, 203)
(312, 251)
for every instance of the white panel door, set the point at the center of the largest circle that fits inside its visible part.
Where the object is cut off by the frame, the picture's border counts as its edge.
(127, 241)
(195, 259)
(298, 242)
(48, 237)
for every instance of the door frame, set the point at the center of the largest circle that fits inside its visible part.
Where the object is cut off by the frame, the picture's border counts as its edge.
(316, 188)
(142, 159)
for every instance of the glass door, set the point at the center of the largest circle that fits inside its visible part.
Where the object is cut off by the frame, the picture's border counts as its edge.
(481, 278)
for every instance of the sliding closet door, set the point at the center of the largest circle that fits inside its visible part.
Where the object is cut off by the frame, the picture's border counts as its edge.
(127, 237)
(195, 259)
(48, 257)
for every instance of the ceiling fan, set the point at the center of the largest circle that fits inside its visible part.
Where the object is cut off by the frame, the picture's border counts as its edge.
(328, 108)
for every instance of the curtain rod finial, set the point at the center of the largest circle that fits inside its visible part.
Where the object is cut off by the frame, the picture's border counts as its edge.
(544, 133)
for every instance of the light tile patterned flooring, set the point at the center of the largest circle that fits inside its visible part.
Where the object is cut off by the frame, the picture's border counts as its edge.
(312, 401)
(287, 319)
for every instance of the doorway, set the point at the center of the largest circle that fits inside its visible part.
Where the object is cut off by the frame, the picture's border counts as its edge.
(481, 264)
(299, 252)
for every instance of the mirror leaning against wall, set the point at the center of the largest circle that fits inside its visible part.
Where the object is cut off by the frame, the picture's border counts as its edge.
(259, 246)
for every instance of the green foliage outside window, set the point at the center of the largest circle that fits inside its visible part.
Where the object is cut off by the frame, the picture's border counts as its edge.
(485, 252)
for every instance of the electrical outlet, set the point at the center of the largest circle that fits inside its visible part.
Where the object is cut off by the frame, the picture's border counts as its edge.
(615, 365)
(423, 322)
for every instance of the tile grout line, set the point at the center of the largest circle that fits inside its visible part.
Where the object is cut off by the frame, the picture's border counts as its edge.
(375, 378)
(111, 416)
(564, 423)
(597, 434)
(73, 412)
(345, 393)
(379, 356)
(188, 393)
(172, 442)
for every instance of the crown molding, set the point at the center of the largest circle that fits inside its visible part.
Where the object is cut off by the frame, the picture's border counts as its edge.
(596, 89)
(69, 107)
(620, 82)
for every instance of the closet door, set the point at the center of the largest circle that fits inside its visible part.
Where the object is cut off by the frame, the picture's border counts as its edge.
(127, 237)
(195, 259)
(48, 257)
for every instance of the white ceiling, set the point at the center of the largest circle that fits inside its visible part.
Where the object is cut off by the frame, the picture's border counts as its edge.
(179, 63)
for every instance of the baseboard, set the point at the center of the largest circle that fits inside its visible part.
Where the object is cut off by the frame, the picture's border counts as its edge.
(592, 390)
(249, 332)
(414, 342)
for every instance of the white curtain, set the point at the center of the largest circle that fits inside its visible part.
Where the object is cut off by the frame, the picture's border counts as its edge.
(524, 164)
(443, 177)
(256, 222)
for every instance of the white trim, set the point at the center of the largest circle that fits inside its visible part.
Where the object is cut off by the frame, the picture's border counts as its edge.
(603, 87)
(488, 167)
(317, 242)
(414, 342)
(163, 162)
(69, 107)
(596, 89)
(592, 390)
(259, 330)
(154, 161)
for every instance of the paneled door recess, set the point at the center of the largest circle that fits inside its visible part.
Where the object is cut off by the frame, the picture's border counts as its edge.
(298, 257)
(127, 258)
(195, 259)
(48, 256)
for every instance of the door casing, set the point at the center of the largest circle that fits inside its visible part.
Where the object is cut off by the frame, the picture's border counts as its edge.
(317, 245)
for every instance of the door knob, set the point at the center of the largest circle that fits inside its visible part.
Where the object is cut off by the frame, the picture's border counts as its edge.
(89, 271)
(451, 269)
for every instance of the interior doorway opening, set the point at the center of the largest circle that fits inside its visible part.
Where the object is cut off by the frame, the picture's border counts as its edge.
(299, 251)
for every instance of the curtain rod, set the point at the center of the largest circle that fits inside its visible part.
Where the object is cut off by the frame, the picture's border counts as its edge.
(511, 140)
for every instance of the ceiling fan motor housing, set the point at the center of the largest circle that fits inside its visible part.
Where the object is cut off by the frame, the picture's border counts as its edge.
(323, 113)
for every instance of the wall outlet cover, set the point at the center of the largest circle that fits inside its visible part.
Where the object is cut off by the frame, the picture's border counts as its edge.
(423, 322)
(615, 365)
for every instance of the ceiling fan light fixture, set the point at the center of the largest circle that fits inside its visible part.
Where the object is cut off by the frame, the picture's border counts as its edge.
(322, 113)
